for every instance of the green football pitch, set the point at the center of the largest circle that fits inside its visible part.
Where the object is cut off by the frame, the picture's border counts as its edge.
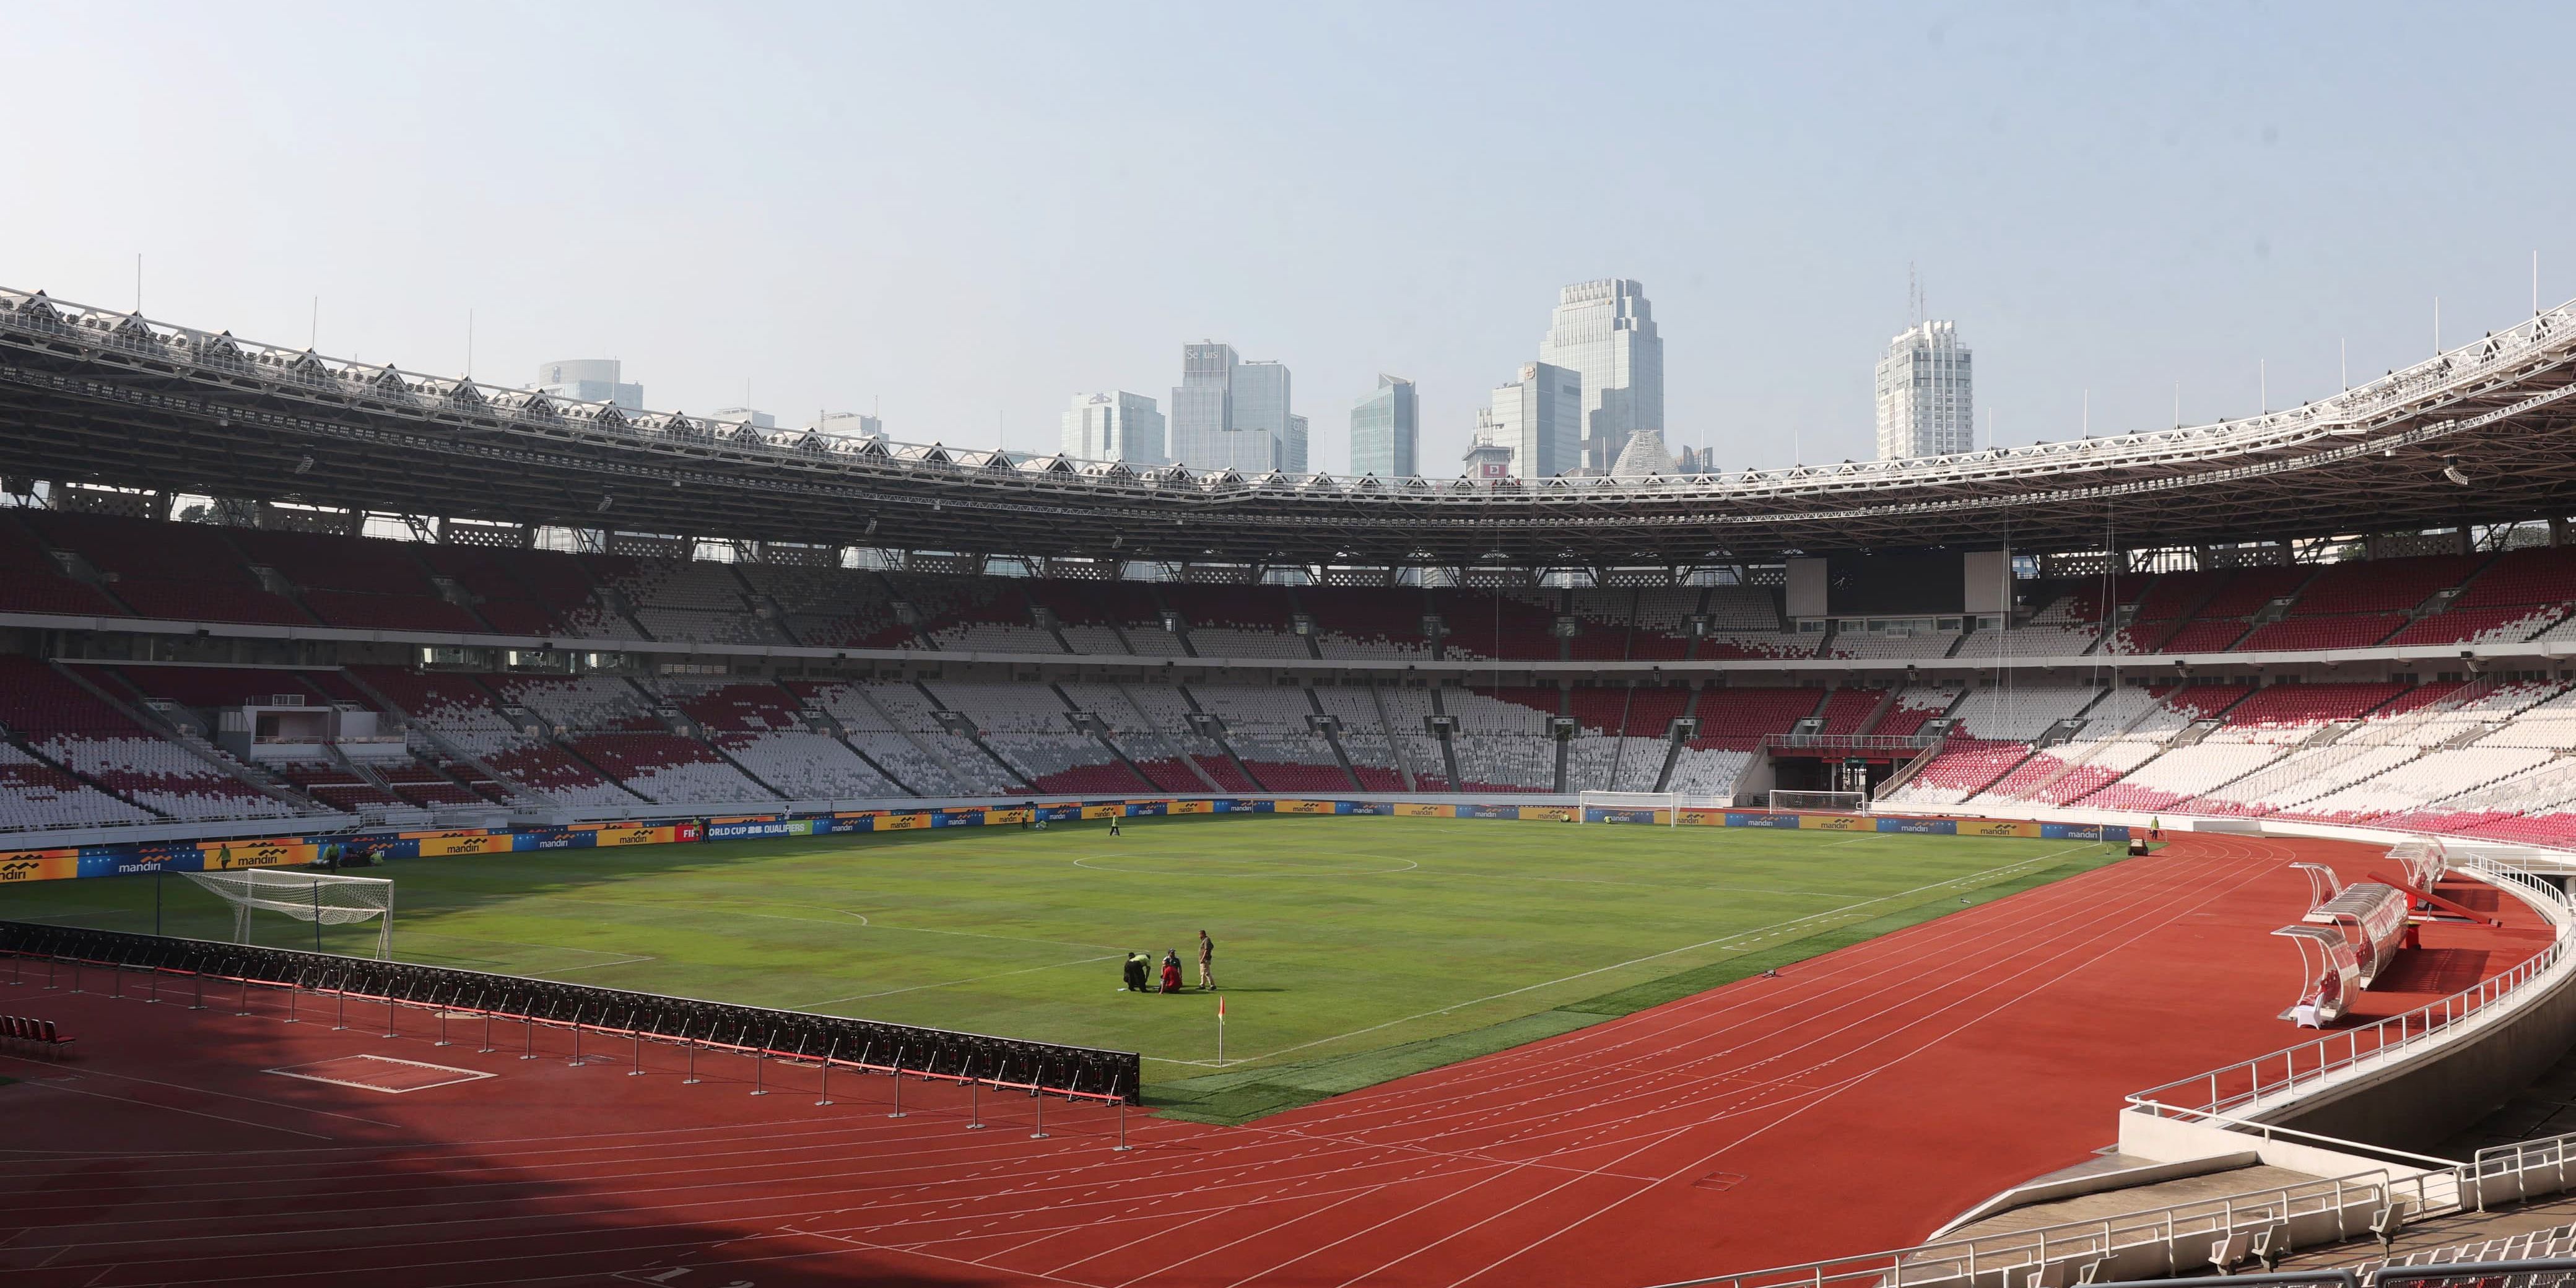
(1350, 949)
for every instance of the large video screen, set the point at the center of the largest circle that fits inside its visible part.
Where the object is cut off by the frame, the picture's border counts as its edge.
(1909, 583)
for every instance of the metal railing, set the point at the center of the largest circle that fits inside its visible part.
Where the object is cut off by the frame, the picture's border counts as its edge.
(2139, 1243)
(1847, 742)
(2548, 1272)
(2168, 1240)
(2176, 1238)
(2250, 1084)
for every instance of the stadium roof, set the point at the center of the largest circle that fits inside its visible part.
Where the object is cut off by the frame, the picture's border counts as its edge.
(98, 396)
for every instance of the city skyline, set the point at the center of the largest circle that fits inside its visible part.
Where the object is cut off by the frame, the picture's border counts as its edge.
(2125, 201)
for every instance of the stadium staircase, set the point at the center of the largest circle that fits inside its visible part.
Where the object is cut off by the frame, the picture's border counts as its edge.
(1131, 721)
(929, 751)
(1100, 734)
(1297, 609)
(1448, 748)
(1395, 745)
(975, 735)
(33, 750)
(446, 757)
(681, 726)
(565, 745)
(1673, 742)
(2063, 731)
(1214, 731)
(1330, 727)
(160, 722)
(2329, 746)
(823, 721)
(2189, 735)
(1618, 738)
(2038, 789)
(79, 569)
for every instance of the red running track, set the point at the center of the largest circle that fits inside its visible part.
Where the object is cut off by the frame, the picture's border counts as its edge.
(1854, 1103)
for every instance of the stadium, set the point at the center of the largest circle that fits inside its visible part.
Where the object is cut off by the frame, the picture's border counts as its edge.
(460, 836)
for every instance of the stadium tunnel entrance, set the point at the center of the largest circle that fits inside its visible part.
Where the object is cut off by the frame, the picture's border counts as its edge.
(1800, 769)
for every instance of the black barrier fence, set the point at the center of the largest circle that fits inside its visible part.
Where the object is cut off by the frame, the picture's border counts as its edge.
(1083, 1073)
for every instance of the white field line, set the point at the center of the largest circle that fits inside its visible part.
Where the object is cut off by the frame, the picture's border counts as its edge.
(698, 910)
(971, 979)
(1837, 1089)
(1742, 939)
(622, 961)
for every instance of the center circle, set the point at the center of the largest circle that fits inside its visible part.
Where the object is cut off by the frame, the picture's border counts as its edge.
(1276, 865)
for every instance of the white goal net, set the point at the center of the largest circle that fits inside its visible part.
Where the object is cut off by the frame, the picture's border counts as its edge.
(1837, 802)
(1634, 799)
(320, 898)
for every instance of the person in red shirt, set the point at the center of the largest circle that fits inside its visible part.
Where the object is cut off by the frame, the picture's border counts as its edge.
(1171, 970)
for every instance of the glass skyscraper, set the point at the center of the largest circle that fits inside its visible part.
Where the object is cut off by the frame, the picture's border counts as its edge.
(1384, 427)
(1604, 331)
(1231, 414)
(1540, 417)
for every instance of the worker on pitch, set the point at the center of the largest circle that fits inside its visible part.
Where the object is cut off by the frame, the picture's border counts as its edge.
(1136, 967)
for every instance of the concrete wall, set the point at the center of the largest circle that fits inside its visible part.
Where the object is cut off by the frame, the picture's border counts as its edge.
(2423, 1102)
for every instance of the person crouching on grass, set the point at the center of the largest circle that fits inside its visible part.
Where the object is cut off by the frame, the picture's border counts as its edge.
(1171, 970)
(1136, 983)
(1207, 962)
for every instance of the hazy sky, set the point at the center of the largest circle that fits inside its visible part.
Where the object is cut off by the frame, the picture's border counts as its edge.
(969, 213)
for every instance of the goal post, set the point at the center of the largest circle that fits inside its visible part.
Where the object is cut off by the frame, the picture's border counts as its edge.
(322, 898)
(1834, 802)
(1669, 802)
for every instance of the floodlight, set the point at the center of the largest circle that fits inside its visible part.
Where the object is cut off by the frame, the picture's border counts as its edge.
(2451, 471)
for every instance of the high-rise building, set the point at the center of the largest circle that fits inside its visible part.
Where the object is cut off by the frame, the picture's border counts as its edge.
(1231, 414)
(1605, 331)
(1925, 394)
(751, 416)
(1540, 417)
(1384, 428)
(1487, 460)
(849, 424)
(1117, 426)
(1261, 417)
(1203, 406)
(598, 380)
